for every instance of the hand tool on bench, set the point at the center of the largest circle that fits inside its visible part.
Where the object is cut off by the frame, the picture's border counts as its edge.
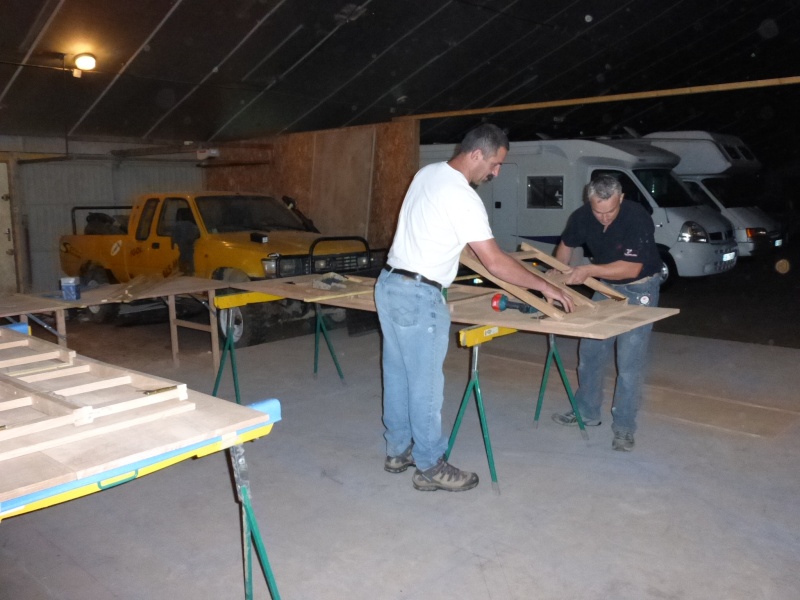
(500, 302)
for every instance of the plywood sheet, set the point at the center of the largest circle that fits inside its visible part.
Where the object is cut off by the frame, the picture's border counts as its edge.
(302, 288)
(60, 423)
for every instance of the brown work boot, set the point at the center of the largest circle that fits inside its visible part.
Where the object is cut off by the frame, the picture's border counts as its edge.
(398, 464)
(444, 476)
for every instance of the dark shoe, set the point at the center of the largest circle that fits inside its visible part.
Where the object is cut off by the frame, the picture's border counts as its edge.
(623, 441)
(444, 476)
(398, 464)
(570, 419)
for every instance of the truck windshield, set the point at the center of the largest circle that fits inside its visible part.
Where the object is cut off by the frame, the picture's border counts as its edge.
(734, 192)
(225, 214)
(664, 187)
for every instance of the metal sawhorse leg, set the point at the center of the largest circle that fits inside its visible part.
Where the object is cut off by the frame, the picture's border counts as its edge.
(552, 353)
(250, 531)
(473, 337)
(321, 328)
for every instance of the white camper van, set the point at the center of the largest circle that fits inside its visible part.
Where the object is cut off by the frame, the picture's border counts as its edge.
(720, 170)
(542, 182)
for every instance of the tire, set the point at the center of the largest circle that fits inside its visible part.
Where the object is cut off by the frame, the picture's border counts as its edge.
(250, 322)
(101, 313)
(669, 272)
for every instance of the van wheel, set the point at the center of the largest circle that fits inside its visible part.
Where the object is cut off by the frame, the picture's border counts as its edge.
(669, 272)
(100, 313)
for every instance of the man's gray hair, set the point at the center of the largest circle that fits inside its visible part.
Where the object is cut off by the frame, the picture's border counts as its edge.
(603, 187)
(487, 138)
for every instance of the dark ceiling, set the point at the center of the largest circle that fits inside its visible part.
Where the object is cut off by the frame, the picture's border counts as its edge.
(217, 70)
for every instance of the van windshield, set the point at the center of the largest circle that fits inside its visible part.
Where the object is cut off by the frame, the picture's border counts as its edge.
(664, 187)
(734, 192)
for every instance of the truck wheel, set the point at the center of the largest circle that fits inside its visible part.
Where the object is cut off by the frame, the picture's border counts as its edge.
(101, 313)
(250, 324)
(669, 272)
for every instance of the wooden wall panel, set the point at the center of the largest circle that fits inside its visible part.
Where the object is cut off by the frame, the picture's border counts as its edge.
(396, 162)
(342, 180)
(368, 168)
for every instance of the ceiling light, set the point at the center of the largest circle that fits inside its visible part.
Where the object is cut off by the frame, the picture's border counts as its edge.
(85, 62)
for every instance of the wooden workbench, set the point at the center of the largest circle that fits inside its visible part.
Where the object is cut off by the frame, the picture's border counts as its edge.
(472, 305)
(21, 305)
(70, 425)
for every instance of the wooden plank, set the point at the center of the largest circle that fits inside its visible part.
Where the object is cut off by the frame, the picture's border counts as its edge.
(302, 288)
(469, 259)
(592, 283)
(54, 437)
(609, 319)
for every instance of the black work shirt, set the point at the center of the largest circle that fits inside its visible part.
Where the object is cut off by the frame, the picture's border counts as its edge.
(629, 237)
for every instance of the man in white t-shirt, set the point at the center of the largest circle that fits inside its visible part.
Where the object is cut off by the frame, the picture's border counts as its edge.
(441, 213)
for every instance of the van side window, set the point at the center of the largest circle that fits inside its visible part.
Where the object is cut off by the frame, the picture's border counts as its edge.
(629, 188)
(545, 192)
(149, 209)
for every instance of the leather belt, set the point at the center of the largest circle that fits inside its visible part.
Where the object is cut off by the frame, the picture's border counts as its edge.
(414, 276)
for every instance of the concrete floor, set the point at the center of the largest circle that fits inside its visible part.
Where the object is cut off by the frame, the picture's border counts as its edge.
(705, 507)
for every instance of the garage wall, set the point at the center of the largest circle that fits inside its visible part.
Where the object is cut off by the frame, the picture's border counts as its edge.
(46, 191)
(349, 181)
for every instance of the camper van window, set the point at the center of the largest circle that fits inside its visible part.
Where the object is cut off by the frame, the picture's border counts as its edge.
(700, 195)
(733, 152)
(545, 192)
(734, 192)
(665, 189)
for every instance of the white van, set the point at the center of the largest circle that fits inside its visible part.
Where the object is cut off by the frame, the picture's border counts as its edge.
(720, 171)
(542, 182)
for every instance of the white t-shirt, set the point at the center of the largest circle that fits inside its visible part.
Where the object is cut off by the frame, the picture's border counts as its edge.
(441, 214)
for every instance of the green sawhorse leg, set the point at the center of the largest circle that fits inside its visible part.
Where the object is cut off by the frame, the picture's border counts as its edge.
(250, 531)
(475, 386)
(552, 353)
(228, 348)
(321, 328)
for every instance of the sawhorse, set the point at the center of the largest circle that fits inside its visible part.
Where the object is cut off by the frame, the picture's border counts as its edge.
(250, 530)
(473, 337)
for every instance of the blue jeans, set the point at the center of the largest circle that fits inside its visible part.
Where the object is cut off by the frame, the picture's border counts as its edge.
(593, 356)
(416, 331)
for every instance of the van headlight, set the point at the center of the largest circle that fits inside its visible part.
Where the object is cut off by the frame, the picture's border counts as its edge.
(693, 232)
(755, 232)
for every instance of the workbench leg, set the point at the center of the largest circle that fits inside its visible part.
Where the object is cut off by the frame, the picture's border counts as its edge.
(552, 353)
(173, 329)
(475, 385)
(250, 530)
(214, 325)
(61, 327)
(320, 327)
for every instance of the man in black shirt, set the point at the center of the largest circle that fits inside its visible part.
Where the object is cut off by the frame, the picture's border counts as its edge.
(619, 237)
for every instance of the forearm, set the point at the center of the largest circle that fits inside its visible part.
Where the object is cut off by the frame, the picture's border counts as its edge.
(615, 271)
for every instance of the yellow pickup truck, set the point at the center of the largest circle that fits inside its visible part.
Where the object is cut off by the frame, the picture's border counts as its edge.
(227, 236)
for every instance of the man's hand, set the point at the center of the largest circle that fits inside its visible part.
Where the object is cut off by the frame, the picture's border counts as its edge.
(577, 275)
(553, 294)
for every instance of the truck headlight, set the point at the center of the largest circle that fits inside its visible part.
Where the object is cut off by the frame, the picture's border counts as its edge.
(320, 265)
(270, 267)
(282, 266)
(363, 262)
(693, 232)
